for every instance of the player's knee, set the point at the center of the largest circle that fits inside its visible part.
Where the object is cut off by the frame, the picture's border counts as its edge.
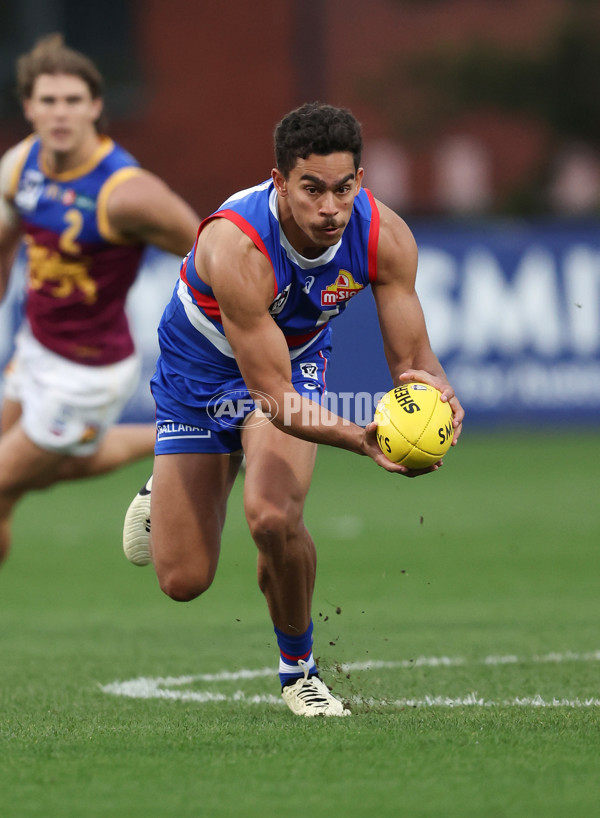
(272, 526)
(183, 585)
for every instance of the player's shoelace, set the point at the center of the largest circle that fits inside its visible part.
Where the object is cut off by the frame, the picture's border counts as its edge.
(310, 696)
(311, 692)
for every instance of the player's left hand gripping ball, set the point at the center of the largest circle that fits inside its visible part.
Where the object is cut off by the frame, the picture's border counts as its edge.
(414, 425)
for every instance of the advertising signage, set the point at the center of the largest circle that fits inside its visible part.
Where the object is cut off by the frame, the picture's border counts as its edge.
(513, 312)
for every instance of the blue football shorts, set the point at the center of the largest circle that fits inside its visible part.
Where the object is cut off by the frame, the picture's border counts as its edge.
(203, 416)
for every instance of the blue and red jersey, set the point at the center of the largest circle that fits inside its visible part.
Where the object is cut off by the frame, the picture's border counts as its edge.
(79, 272)
(307, 293)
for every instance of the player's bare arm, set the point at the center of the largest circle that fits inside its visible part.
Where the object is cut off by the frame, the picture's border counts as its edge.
(143, 208)
(10, 230)
(242, 281)
(406, 342)
(10, 237)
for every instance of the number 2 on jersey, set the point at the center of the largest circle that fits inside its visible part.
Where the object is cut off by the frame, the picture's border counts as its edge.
(67, 241)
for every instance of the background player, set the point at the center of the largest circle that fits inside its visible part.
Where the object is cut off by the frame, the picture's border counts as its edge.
(250, 318)
(86, 211)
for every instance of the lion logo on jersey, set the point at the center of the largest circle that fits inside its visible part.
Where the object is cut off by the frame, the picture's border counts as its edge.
(60, 276)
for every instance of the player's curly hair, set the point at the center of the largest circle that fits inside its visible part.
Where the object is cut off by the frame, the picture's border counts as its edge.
(50, 55)
(316, 128)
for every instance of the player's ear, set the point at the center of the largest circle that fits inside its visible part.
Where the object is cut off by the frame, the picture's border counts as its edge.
(27, 110)
(359, 177)
(279, 181)
(97, 108)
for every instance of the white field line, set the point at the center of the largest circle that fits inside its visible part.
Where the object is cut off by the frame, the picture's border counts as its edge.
(473, 700)
(167, 687)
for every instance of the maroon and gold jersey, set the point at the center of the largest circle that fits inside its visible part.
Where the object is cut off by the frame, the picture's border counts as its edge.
(79, 272)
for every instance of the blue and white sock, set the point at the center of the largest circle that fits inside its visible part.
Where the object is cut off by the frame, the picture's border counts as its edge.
(291, 650)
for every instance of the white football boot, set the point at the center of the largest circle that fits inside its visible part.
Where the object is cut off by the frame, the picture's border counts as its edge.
(311, 697)
(136, 528)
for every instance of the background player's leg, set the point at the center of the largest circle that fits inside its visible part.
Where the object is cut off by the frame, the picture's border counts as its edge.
(11, 412)
(188, 507)
(279, 468)
(23, 466)
(122, 444)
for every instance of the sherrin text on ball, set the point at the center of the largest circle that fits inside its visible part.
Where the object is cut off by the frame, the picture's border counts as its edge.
(414, 425)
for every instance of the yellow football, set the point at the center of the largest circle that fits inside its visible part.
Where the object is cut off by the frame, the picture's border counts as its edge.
(414, 426)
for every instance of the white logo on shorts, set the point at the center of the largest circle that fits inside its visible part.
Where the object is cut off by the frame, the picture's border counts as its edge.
(310, 371)
(171, 429)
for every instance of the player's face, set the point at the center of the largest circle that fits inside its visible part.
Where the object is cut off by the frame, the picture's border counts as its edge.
(316, 200)
(63, 113)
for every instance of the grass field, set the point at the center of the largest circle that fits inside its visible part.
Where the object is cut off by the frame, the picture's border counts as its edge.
(458, 613)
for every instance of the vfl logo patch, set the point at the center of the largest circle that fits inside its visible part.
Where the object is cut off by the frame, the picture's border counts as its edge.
(30, 190)
(310, 371)
(341, 290)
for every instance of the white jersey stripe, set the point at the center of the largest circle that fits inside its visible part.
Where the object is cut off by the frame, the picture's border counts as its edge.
(201, 323)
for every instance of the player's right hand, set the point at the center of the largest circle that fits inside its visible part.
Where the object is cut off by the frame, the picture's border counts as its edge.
(372, 450)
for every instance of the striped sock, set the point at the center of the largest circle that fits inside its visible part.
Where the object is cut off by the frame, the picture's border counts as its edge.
(291, 649)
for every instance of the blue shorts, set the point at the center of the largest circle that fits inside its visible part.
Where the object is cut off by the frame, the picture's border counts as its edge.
(203, 416)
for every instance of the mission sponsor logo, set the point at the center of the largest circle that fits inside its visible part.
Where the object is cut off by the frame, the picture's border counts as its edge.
(343, 288)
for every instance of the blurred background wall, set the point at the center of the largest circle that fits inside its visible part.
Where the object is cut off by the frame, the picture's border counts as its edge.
(482, 128)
